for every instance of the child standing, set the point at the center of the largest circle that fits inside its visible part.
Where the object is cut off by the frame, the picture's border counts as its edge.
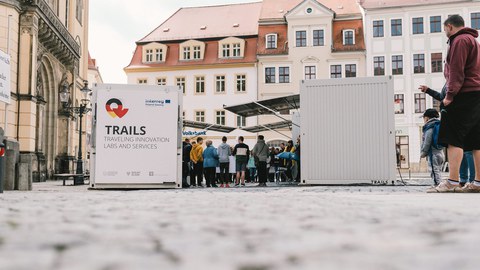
(430, 149)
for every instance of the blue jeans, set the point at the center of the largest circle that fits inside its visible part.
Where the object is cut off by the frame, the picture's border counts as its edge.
(467, 167)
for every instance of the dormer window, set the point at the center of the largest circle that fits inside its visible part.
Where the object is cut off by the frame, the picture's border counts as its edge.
(192, 50)
(348, 37)
(186, 53)
(271, 41)
(226, 50)
(158, 55)
(154, 53)
(231, 47)
(196, 52)
(236, 50)
(149, 56)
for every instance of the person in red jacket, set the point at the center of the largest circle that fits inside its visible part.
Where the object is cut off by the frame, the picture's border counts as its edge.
(460, 124)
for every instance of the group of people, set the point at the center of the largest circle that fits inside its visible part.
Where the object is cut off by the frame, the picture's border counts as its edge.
(213, 164)
(458, 128)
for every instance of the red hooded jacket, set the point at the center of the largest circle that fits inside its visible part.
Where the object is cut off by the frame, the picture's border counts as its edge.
(462, 67)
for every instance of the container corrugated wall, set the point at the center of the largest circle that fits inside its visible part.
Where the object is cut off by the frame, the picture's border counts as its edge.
(348, 131)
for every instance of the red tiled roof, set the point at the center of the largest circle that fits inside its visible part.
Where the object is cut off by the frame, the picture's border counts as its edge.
(92, 63)
(219, 21)
(276, 9)
(210, 56)
(339, 26)
(374, 4)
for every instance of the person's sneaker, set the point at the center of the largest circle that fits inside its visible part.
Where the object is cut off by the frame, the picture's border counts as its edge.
(215, 186)
(227, 186)
(444, 187)
(470, 187)
(222, 186)
(237, 184)
(243, 184)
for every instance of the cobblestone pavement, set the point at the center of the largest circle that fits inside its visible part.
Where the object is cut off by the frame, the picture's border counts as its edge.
(387, 228)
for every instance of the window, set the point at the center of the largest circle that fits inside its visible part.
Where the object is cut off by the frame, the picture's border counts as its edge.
(348, 37)
(420, 104)
(197, 52)
(378, 28)
(226, 50)
(158, 55)
(417, 26)
(180, 81)
(396, 27)
(149, 55)
(79, 11)
(475, 17)
(336, 71)
(142, 81)
(220, 118)
(310, 72)
(301, 38)
(200, 85)
(271, 41)
(397, 64)
(318, 38)
(435, 24)
(241, 121)
(437, 65)
(283, 74)
(379, 65)
(162, 81)
(200, 116)
(241, 83)
(220, 84)
(418, 63)
(350, 71)
(186, 53)
(270, 75)
(399, 106)
(236, 50)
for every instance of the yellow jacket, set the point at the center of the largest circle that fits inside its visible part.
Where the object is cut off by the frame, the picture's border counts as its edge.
(196, 153)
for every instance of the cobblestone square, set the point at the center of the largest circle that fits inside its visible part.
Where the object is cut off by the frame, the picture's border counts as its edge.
(388, 227)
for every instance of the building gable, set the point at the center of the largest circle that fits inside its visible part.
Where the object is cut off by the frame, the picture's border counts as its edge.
(309, 8)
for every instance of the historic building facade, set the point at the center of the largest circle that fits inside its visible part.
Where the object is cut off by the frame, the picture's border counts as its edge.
(405, 39)
(211, 52)
(47, 42)
(303, 40)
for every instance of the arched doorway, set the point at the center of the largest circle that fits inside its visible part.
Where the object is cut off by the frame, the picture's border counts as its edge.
(46, 111)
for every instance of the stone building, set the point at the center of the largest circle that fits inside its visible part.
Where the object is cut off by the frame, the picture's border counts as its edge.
(47, 42)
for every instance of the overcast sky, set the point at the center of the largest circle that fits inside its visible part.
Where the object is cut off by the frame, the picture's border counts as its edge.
(115, 26)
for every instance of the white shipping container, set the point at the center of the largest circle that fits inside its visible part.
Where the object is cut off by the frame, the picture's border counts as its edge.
(348, 131)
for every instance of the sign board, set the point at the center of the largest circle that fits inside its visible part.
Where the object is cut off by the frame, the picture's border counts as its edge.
(4, 77)
(137, 136)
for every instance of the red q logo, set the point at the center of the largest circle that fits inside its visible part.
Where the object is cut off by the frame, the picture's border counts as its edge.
(115, 111)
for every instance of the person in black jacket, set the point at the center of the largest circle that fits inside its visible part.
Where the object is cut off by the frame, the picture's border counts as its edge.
(186, 148)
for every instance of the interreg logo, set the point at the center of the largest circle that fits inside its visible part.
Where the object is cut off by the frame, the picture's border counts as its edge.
(157, 102)
(115, 108)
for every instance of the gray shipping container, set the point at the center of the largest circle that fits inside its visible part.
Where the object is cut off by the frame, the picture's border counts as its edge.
(348, 131)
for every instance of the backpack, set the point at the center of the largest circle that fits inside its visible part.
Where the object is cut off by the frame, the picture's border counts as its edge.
(436, 131)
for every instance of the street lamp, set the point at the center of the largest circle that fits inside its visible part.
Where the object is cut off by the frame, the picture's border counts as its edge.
(81, 110)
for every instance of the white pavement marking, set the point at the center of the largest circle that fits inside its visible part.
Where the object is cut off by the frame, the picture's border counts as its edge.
(57, 227)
